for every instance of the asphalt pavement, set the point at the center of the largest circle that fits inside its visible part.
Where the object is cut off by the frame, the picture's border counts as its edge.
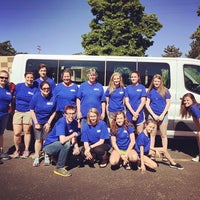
(20, 180)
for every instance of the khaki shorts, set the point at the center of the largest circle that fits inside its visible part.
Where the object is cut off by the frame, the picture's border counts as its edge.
(22, 117)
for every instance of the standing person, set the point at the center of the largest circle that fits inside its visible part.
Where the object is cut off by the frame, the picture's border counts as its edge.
(61, 139)
(5, 100)
(157, 104)
(145, 149)
(190, 107)
(65, 92)
(135, 99)
(90, 95)
(22, 117)
(42, 108)
(114, 96)
(123, 141)
(42, 70)
(94, 136)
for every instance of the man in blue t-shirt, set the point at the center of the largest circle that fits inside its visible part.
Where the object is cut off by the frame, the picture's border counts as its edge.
(62, 138)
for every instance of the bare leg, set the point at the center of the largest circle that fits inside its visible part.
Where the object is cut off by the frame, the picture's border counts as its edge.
(140, 128)
(163, 134)
(27, 136)
(114, 158)
(17, 135)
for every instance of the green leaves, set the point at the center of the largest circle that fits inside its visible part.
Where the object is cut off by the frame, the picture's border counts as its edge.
(120, 27)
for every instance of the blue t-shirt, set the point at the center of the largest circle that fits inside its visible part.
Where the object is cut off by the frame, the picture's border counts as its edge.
(43, 107)
(157, 102)
(135, 93)
(195, 110)
(61, 128)
(93, 134)
(123, 137)
(5, 100)
(91, 96)
(38, 81)
(65, 95)
(116, 99)
(23, 95)
(142, 140)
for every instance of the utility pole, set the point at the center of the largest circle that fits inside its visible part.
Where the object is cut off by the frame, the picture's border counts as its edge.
(38, 48)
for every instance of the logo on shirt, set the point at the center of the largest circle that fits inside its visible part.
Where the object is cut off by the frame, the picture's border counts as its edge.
(121, 92)
(31, 93)
(49, 103)
(8, 93)
(96, 89)
(99, 131)
(139, 90)
(72, 90)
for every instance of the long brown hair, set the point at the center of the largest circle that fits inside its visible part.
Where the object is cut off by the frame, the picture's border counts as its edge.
(162, 89)
(184, 111)
(114, 126)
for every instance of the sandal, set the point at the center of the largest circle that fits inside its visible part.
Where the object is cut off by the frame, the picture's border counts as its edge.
(127, 166)
(25, 154)
(36, 162)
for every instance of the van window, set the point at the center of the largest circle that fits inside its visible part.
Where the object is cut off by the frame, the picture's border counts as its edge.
(32, 65)
(148, 69)
(80, 68)
(124, 68)
(192, 78)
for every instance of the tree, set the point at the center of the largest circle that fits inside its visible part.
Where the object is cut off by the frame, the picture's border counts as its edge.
(6, 49)
(120, 27)
(172, 51)
(195, 45)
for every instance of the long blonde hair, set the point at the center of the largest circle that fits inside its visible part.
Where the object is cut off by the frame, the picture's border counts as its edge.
(162, 89)
(111, 84)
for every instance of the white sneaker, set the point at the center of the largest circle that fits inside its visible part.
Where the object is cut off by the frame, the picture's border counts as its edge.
(196, 159)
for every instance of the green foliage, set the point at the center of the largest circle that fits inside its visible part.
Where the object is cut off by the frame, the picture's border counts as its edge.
(172, 51)
(195, 45)
(120, 28)
(6, 49)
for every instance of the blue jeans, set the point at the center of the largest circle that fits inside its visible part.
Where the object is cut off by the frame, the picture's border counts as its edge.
(62, 150)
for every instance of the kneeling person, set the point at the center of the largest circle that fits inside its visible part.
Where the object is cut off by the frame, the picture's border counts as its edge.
(62, 138)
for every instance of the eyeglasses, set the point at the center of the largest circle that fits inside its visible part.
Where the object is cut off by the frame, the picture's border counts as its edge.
(2, 77)
(45, 89)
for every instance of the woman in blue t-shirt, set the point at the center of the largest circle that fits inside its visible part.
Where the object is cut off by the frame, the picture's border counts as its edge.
(65, 93)
(157, 104)
(94, 136)
(135, 99)
(114, 96)
(22, 118)
(190, 107)
(5, 100)
(42, 108)
(123, 141)
(145, 150)
(90, 95)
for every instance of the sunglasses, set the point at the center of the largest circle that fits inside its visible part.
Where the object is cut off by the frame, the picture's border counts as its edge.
(45, 89)
(2, 77)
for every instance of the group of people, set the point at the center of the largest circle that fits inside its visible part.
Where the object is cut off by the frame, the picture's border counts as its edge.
(63, 116)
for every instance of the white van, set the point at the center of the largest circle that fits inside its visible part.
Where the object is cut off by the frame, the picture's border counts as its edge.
(181, 75)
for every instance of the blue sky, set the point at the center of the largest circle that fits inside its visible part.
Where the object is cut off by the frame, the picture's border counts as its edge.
(57, 25)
